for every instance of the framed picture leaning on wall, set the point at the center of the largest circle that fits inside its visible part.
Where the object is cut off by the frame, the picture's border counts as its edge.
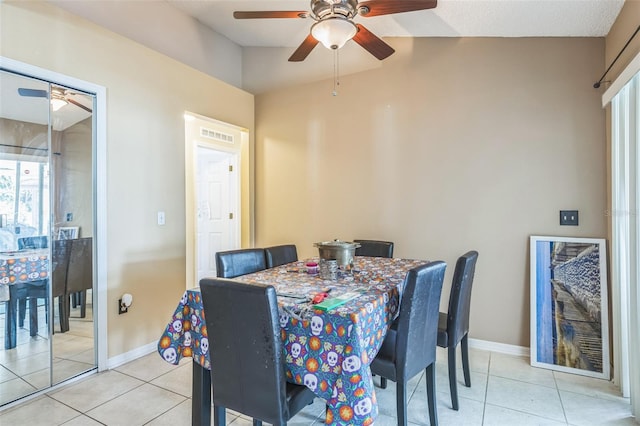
(68, 232)
(569, 319)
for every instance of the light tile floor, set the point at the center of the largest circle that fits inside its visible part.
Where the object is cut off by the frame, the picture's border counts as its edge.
(26, 368)
(505, 390)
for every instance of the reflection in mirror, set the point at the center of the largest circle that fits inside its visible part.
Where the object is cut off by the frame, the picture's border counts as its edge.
(24, 229)
(73, 347)
(46, 183)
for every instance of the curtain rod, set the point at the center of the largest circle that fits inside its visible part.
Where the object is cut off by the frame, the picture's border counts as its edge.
(24, 147)
(596, 85)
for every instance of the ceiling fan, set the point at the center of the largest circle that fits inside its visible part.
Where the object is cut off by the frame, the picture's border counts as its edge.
(59, 97)
(334, 24)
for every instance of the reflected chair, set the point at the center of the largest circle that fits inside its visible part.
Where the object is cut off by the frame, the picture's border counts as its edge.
(410, 344)
(233, 263)
(80, 272)
(374, 248)
(36, 287)
(248, 371)
(37, 242)
(279, 255)
(61, 254)
(453, 326)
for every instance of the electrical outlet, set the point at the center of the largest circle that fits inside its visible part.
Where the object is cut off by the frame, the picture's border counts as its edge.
(122, 309)
(569, 217)
(161, 218)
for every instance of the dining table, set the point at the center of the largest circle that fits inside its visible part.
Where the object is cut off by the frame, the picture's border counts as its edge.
(20, 269)
(328, 348)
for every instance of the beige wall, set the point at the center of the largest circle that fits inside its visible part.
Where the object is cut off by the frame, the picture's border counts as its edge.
(147, 94)
(73, 162)
(452, 145)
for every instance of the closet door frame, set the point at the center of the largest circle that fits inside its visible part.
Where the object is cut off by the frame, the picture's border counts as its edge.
(100, 188)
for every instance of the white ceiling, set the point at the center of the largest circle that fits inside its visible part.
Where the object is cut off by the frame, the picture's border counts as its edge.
(450, 18)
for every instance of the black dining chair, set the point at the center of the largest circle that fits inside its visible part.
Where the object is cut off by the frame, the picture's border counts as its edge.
(61, 253)
(410, 344)
(453, 326)
(37, 242)
(374, 248)
(233, 263)
(39, 287)
(279, 255)
(248, 372)
(80, 272)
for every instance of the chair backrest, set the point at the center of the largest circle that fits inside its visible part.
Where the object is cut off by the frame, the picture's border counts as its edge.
(374, 248)
(61, 255)
(417, 332)
(80, 271)
(233, 263)
(247, 361)
(279, 255)
(37, 242)
(460, 297)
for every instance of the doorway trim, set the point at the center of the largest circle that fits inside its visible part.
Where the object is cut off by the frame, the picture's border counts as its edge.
(100, 203)
(240, 148)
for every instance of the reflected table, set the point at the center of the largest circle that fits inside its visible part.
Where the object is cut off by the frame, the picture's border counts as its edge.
(327, 351)
(18, 271)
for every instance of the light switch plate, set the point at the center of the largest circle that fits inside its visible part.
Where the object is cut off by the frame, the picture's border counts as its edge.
(569, 217)
(160, 218)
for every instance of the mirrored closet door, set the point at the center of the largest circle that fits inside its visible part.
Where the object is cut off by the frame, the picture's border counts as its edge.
(47, 144)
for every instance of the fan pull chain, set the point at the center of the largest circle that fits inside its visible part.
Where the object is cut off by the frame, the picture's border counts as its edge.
(336, 72)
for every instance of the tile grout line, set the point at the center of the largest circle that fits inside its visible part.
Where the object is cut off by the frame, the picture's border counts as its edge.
(486, 388)
(564, 412)
(99, 405)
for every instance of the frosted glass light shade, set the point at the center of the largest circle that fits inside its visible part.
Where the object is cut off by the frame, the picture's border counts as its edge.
(333, 33)
(57, 103)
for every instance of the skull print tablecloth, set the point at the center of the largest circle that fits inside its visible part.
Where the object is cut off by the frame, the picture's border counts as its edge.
(329, 352)
(24, 266)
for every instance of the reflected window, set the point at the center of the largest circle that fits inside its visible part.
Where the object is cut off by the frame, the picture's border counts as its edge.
(24, 201)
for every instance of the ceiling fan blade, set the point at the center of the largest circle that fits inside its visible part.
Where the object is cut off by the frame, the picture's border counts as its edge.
(78, 104)
(387, 7)
(304, 49)
(372, 43)
(33, 93)
(270, 14)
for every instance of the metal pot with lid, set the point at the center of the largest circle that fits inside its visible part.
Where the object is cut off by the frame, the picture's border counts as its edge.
(342, 251)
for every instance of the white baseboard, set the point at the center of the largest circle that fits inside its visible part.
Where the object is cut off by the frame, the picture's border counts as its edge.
(499, 347)
(118, 360)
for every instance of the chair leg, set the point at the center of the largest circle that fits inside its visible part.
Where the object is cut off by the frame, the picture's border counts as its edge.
(465, 361)
(401, 402)
(83, 303)
(430, 377)
(22, 311)
(33, 316)
(383, 382)
(63, 314)
(219, 414)
(453, 384)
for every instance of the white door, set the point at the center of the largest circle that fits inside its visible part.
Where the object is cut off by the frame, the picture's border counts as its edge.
(216, 195)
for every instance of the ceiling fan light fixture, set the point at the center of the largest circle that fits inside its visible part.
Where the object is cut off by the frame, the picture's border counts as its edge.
(57, 98)
(333, 32)
(57, 103)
